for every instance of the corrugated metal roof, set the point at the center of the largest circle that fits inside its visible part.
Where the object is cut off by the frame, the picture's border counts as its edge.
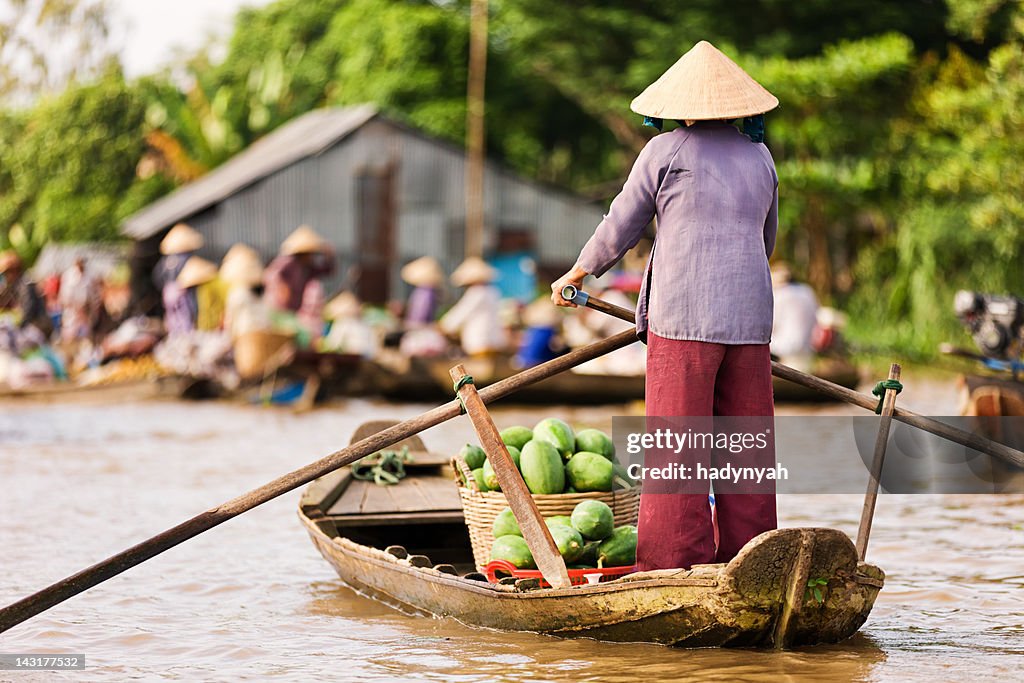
(100, 259)
(306, 136)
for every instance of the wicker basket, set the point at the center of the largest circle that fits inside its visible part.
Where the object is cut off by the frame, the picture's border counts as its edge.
(260, 352)
(481, 507)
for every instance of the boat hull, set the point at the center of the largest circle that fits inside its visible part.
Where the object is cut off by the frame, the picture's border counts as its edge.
(749, 602)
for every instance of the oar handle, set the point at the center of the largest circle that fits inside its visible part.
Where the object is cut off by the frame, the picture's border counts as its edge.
(574, 294)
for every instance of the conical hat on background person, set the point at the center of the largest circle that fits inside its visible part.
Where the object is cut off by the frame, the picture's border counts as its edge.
(345, 305)
(473, 271)
(181, 239)
(197, 271)
(240, 251)
(704, 84)
(304, 240)
(242, 270)
(423, 272)
(241, 266)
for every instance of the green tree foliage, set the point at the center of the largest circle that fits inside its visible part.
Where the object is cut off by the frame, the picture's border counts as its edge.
(69, 166)
(957, 210)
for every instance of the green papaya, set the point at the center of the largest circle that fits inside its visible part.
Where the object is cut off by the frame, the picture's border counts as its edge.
(564, 520)
(478, 476)
(579, 565)
(590, 472)
(593, 519)
(513, 549)
(558, 434)
(568, 540)
(505, 524)
(473, 455)
(490, 477)
(542, 468)
(590, 554)
(517, 436)
(619, 549)
(595, 441)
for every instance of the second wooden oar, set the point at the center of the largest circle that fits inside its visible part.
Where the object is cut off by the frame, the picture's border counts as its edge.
(56, 593)
(531, 522)
(973, 441)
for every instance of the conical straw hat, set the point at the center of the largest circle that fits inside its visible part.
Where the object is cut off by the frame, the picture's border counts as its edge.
(345, 305)
(305, 240)
(241, 266)
(473, 271)
(181, 239)
(423, 272)
(244, 271)
(240, 251)
(704, 84)
(197, 271)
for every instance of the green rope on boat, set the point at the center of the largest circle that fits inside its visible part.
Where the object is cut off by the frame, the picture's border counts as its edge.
(385, 468)
(880, 390)
(463, 381)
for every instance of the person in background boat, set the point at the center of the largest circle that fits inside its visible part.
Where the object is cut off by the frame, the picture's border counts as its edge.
(475, 318)
(201, 275)
(705, 309)
(540, 340)
(304, 257)
(426, 277)
(50, 290)
(796, 316)
(179, 305)
(19, 296)
(348, 332)
(81, 295)
(241, 271)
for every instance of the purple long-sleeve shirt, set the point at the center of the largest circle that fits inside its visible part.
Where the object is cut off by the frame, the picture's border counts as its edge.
(715, 194)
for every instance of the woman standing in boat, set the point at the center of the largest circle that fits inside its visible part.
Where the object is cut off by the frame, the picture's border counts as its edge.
(705, 308)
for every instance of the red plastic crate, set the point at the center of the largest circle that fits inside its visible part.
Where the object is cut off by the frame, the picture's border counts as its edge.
(576, 576)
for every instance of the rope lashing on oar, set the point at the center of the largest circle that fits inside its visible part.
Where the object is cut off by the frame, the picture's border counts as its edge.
(385, 468)
(880, 390)
(463, 381)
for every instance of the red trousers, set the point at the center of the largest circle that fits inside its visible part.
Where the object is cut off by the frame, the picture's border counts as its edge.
(691, 378)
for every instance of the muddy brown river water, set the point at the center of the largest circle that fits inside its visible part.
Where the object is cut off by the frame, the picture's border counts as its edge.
(252, 599)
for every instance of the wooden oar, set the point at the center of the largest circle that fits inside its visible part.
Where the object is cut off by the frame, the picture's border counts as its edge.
(60, 591)
(531, 522)
(867, 513)
(973, 441)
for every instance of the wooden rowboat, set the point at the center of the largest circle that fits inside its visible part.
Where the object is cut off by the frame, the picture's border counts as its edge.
(416, 556)
(986, 396)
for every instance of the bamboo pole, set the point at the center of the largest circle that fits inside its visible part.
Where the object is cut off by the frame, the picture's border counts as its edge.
(881, 441)
(56, 593)
(531, 522)
(475, 128)
(964, 438)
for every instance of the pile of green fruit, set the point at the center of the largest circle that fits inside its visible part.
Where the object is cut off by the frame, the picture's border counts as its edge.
(586, 539)
(553, 459)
